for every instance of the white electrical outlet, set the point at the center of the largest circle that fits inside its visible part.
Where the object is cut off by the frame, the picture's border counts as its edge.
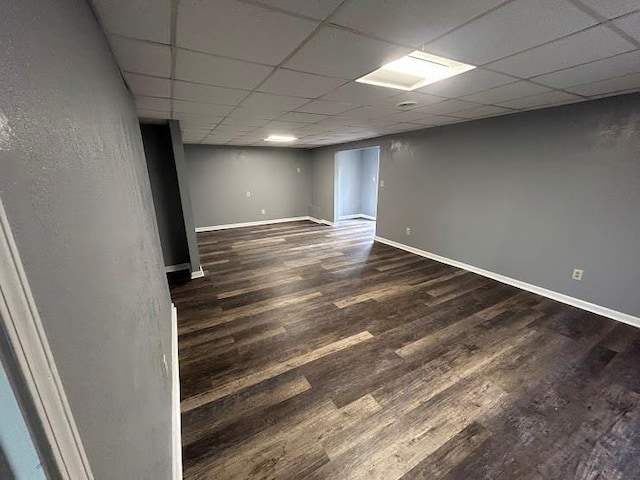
(299, 169)
(407, 231)
(263, 211)
(381, 183)
(248, 194)
(577, 274)
(374, 179)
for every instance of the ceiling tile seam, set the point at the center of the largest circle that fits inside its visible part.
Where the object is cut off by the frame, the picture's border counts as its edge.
(607, 22)
(277, 9)
(136, 39)
(105, 33)
(532, 80)
(578, 65)
(158, 77)
(564, 37)
(173, 35)
(306, 40)
(477, 17)
(606, 80)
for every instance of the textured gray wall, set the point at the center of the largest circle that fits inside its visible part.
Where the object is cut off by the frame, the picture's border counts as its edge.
(182, 176)
(74, 183)
(166, 194)
(349, 176)
(529, 196)
(369, 186)
(219, 178)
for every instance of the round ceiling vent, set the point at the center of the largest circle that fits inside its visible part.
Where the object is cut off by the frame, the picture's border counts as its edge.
(406, 105)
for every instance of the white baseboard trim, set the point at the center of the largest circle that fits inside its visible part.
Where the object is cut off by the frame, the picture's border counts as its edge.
(560, 297)
(176, 268)
(356, 215)
(176, 423)
(197, 274)
(213, 228)
(320, 221)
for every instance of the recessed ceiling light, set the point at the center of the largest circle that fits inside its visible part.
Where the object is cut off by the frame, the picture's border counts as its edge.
(280, 138)
(414, 71)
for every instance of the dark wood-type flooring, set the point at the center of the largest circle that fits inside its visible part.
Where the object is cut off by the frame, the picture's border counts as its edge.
(311, 352)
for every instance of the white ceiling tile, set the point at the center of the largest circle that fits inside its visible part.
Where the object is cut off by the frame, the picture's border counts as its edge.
(148, 86)
(630, 25)
(549, 98)
(343, 54)
(275, 102)
(198, 118)
(593, 72)
(141, 57)
(239, 30)
(144, 19)
(319, 9)
(612, 8)
(152, 103)
(298, 84)
(197, 92)
(256, 113)
(302, 117)
(446, 107)
(326, 108)
(409, 22)
(222, 72)
(361, 94)
(406, 117)
(469, 82)
(613, 85)
(421, 99)
(587, 46)
(506, 92)
(482, 111)
(365, 113)
(151, 114)
(510, 29)
(184, 106)
(244, 122)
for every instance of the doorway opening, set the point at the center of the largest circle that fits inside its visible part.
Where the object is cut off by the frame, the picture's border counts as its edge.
(356, 184)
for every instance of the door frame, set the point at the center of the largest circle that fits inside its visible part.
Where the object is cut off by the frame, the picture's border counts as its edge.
(32, 368)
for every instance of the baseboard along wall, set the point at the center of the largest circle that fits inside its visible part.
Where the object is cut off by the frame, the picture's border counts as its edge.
(560, 297)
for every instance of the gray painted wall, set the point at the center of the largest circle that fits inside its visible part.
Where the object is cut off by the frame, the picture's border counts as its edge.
(530, 196)
(219, 178)
(369, 185)
(182, 176)
(75, 186)
(166, 194)
(349, 177)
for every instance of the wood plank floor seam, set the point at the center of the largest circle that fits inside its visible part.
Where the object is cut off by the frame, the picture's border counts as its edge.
(312, 352)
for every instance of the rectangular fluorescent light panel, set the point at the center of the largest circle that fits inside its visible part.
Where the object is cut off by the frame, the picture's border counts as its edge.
(280, 138)
(414, 71)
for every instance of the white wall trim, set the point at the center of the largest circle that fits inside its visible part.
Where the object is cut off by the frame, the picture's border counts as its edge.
(197, 274)
(560, 297)
(356, 215)
(321, 221)
(176, 268)
(176, 422)
(249, 224)
(21, 321)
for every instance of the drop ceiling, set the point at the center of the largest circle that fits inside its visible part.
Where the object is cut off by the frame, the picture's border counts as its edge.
(235, 71)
